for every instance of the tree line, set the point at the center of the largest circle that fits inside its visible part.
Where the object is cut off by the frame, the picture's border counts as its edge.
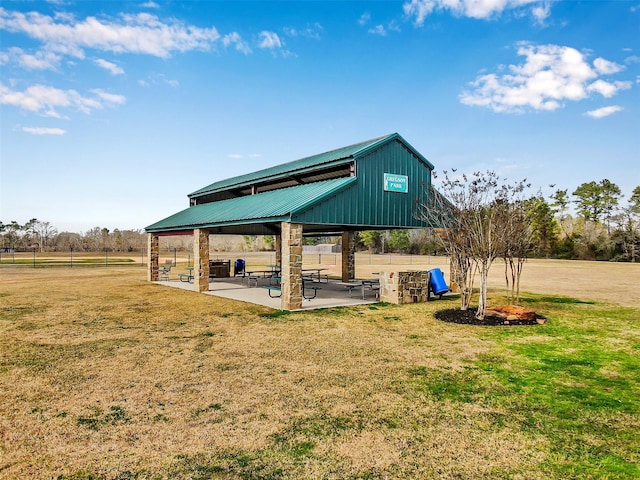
(44, 237)
(602, 227)
(594, 222)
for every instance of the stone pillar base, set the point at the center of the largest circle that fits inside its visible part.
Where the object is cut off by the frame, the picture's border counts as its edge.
(404, 287)
(348, 256)
(153, 257)
(201, 259)
(291, 274)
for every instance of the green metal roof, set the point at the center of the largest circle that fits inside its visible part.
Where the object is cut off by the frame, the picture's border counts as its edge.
(338, 156)
(275, 205)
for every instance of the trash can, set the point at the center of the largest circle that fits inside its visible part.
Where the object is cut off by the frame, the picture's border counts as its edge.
(438, 285)
(238, 267)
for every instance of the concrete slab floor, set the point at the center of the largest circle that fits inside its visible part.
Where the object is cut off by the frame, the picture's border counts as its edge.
(328, 295)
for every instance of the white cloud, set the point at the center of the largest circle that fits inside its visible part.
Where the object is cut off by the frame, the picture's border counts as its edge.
(48, 100)
(158, 79)
(606, 67)
(141, 33)
(110, 67)
(109, 97)
(541, 12)
(44, 131)
(604, 111)
(378, 30)
(312, 31)
(419, 10)
(393, 26)
(550, 75)
(608, 89)
(150, 5)
(364, 19)
(269, 40)
(234, 38)
(40, 60)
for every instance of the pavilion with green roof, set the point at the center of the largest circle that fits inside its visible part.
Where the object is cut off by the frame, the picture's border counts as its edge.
(373, 185)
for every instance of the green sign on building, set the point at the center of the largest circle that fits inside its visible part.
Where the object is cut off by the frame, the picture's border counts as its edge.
(396, 183)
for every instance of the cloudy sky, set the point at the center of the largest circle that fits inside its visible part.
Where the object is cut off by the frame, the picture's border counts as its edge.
(112, 112)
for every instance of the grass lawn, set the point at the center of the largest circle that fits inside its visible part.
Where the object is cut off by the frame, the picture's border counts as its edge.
(106, 376)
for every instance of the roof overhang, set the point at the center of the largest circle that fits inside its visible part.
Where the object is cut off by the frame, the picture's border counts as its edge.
(252, 214)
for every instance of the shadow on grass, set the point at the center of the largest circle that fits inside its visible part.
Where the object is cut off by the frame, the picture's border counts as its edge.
(555, 299)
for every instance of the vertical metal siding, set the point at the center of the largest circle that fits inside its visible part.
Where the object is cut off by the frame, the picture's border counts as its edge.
(366, 202)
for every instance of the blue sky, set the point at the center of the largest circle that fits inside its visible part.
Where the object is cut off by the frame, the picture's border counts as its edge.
(112, 112)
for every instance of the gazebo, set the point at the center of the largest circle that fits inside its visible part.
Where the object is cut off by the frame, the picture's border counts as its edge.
(373, 185)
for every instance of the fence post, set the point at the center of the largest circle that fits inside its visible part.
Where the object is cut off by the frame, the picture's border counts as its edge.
(106, 257)
(71, 248)
(34, 257)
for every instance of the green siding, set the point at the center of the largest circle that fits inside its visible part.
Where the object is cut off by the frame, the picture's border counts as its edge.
(366, 203)
(358, 202)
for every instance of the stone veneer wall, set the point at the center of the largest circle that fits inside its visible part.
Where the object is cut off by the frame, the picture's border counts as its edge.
(153, 247)
(291, 274)
(201, 259)
(348, 256)
(278, 250)
(404, 287)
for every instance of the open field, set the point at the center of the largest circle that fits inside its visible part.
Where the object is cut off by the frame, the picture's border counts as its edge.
(605, 281)
(106, 376)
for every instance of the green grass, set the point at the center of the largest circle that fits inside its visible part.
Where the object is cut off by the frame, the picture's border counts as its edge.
(575, 381)
(112, 377)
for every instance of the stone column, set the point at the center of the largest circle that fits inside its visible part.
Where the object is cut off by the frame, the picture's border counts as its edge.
(153, 256)
(404, 287)
(348, 256)
(389, 287)
(291, 275)
(201, 259)
(278, 250)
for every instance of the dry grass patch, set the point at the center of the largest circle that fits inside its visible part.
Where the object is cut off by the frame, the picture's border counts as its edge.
(104, 375)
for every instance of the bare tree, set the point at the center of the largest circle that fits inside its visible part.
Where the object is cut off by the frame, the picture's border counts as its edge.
(516, 244)
(448, 218)
(45, 233)
(473, 209)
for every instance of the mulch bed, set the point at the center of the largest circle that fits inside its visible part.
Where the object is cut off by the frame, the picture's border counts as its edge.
(468, 317)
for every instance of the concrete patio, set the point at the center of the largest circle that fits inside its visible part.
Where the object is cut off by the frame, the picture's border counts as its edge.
(329, 294)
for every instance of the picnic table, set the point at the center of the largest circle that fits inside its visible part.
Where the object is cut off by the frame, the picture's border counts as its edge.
(254, 275)
(318, 274)
(362, 284)
(351, 286)
(186, 277)
(278, 290)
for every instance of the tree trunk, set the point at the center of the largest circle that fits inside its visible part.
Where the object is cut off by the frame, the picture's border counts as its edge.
(484, 281)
